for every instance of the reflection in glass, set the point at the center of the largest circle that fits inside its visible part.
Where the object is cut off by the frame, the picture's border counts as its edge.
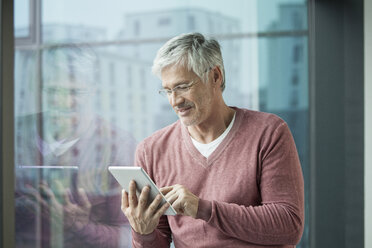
(82, 208)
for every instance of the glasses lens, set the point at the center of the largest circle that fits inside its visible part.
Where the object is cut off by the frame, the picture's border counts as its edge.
(163, 92)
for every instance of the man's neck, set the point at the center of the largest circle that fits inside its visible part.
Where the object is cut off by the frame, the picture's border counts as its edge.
(213, 127)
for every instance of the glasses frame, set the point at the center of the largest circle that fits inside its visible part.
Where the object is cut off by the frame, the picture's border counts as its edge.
(179, 90)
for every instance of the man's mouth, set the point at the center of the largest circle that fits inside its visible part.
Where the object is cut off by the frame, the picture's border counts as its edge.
(184, 110)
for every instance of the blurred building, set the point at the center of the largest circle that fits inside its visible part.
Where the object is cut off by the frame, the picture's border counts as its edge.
(287, 52)
(124, 95)
(57, 33)
(126, 92)
(285, 91)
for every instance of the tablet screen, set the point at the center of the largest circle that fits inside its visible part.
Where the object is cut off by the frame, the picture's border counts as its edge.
(124, 174)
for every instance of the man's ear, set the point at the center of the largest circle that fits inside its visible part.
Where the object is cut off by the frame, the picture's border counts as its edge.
(217, 76)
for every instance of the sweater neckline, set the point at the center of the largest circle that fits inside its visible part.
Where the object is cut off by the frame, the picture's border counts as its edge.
(197, 156)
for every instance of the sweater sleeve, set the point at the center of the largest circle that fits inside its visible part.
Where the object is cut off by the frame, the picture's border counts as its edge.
(160, 238)
(279, 219)
(162, 235)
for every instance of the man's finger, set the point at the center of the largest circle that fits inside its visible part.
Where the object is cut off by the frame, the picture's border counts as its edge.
(162, 210)
(124, 200)
(171, 197)
(39, 199)
(83, 198)
(29, 203)
(171, 194)
(66, 196)
(178, 206)
(144, 197)
(59, 187)
(154, 205)
(46, 192)
(132, 194)
(166, 190)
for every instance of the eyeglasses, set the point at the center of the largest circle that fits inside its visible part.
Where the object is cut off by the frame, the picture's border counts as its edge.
(179, 90)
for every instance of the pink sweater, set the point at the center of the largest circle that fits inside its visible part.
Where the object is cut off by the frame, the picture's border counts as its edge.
(250, 188)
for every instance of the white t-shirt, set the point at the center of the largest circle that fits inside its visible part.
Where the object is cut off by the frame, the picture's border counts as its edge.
(207, 149)
(55, 147)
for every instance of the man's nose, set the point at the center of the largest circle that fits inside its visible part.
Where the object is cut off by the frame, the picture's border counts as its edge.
(175, 99)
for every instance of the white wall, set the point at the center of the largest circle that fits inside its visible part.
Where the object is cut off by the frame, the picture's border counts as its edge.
(368, 122)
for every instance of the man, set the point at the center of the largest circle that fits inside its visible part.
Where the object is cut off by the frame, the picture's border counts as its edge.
(233, 175)
(67, 133)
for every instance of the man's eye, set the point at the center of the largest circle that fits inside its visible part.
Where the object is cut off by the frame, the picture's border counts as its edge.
(182, 87)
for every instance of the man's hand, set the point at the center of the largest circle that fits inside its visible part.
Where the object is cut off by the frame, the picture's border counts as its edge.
(74, 215)
(182, 200)
(142, 217)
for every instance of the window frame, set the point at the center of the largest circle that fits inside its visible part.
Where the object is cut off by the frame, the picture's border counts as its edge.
(7, 237)
(31, 38)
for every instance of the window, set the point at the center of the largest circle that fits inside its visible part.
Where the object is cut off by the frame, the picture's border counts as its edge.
(297, 53)
(137, 28)
(89, 78)
(143, 78)
(112, 73)
(24, 21)
(294, 99)
(295, 79)
(191, 22)
(129, 76)
(164, 21)
(297, 20)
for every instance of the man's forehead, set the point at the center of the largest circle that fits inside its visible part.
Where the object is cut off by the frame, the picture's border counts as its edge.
(174, 75)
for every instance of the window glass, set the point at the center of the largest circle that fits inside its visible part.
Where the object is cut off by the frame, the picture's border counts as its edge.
(85, 97)
(22, 21)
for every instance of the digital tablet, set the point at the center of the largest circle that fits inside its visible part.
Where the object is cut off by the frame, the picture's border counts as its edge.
(124, 174)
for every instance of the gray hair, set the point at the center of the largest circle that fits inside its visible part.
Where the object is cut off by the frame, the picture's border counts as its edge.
(192, 51)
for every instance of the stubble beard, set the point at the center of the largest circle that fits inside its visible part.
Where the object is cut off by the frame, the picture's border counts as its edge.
(193, 121)
(197, 118)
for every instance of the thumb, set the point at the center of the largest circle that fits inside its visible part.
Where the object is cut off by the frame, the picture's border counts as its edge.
(83, 198)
